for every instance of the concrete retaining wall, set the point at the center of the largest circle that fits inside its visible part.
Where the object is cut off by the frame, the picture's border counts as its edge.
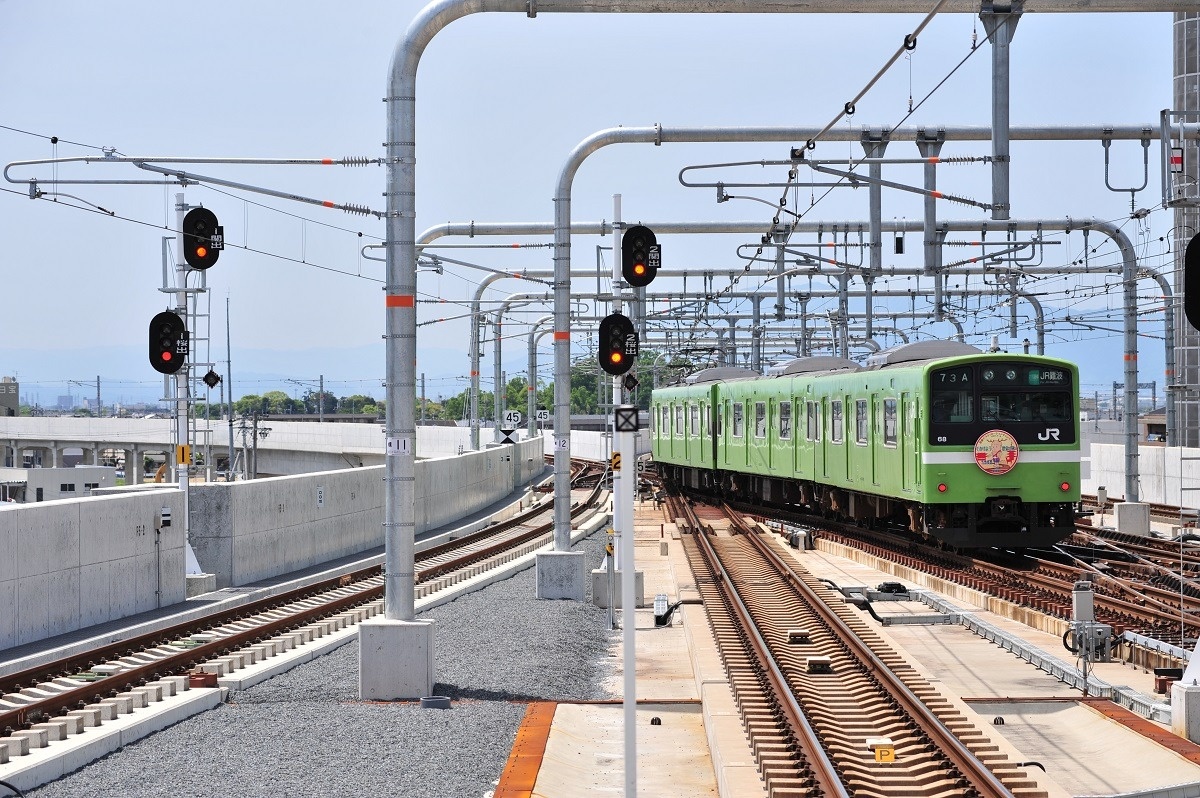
(1166, 475)
(78, 562)
(596, 445)
(247, 531)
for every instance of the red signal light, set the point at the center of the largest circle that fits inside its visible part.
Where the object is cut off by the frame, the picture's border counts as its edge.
(943, 487)
(166, 355)
(201, 252)
(1066, 486)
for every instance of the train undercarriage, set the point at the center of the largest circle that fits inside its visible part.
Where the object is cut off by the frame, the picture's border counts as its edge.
(1000, 521)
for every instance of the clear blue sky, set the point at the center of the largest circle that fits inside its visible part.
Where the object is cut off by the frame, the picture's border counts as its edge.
(502, 100)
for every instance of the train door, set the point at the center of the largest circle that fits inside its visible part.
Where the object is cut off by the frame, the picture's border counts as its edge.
(904, 442)
(876, 438)
(823, 452)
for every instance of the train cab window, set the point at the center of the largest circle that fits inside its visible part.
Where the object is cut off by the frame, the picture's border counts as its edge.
(861, 421)
(889, 422)
(1037, 406)
(693, 420)
(952, 395)
(737, 419)
(785, 421)
(835, 421)
(760, 419)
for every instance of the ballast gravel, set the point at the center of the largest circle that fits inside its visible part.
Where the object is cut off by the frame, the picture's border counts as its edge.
(306, 733)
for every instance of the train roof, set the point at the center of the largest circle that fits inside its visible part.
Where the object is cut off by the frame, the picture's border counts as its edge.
(721, 374)
(806, 365)
(920, 350)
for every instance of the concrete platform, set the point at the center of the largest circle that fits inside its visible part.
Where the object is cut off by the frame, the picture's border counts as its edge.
(1028, 714)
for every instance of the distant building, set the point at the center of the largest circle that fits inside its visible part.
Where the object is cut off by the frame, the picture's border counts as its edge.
(65, 402)
(10, 397)
(47, 484)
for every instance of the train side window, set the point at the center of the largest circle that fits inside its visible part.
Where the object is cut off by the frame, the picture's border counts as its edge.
(861, 423)
(665, 426)
(704, 428)
(720, 419)
(679, 420)
(785, 421)
(835, 421)
(694, 419)
(760, 419)
(737, 419)
(812, 422)
(889, 422)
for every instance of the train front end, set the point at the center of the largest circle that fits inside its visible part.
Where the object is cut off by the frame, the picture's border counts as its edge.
(1001, 454)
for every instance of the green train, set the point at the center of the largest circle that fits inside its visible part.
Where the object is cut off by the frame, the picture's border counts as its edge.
(972, 449)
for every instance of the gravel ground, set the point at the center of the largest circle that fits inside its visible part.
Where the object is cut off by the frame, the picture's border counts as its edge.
(305, 732)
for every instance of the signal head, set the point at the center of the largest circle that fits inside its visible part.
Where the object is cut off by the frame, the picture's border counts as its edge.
(618, 344)
(640, 256)
(203, 238)
(168, 342)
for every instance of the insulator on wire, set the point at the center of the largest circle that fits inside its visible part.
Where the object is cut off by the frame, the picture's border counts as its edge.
(357, 160)
(361, 210)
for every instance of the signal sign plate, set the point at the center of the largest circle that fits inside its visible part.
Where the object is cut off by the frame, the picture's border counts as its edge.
(616, 461)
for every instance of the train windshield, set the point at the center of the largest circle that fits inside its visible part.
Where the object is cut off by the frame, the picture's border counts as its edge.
(1034, 402)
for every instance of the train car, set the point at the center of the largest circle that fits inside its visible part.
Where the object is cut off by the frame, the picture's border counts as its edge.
(973, 449)
(683, 419)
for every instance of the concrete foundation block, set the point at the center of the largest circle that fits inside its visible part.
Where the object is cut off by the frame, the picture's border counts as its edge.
(55, 729)
(1133, 518)
(15, 746)
(180, 683)
(38, 738)
(600, 588)
(1185, 711)
(152, 692)
(86, 717)
(137, 700)
(199, 584)
(395, 660)
(561, 575)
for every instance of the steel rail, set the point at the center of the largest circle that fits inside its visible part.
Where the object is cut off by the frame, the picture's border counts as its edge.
(955, 750)
(824, 771)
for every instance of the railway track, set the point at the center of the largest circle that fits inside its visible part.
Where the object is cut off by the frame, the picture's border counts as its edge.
(1136, 589)
(830, 710)
(53, 701)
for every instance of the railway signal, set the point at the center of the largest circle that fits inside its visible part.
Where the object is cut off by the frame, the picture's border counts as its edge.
(641, 256)
(1191, 282)
(203, 238)
(168, 342)
(618, 344)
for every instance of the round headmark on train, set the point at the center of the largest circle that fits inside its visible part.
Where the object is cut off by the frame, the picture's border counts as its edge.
(996, 452)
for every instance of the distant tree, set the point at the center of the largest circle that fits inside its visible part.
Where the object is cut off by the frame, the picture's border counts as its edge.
(313, 401)
(359, 403)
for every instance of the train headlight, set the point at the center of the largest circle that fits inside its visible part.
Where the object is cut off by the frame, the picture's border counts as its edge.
(943, 487)
(1064, 487)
